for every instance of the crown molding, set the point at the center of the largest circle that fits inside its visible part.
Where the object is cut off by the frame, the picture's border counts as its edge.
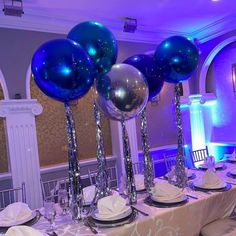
(60, 24)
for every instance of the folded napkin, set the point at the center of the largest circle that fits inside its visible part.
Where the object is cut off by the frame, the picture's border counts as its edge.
(166, 191)
(111, 206)
(139, 181)
(22, 231)
(14, 213)
(89, 193)
(210, 180)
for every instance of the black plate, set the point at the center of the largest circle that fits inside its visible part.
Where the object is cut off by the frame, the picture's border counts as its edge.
(28, 223)
(150, 202)
(231, 175)
(230, 161)
(226, 188)
(193, 176)
(224, 167)
(113, 223)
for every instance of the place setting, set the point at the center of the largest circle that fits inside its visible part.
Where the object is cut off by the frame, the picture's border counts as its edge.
(209, 162)
(210, 182)
(189, 173)
(232, 173)
(164, 195)
(231, 158)
(17, 214)
(112, 211)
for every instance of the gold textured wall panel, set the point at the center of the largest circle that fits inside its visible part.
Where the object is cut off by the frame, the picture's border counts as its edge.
(3, 147)
(51, 130)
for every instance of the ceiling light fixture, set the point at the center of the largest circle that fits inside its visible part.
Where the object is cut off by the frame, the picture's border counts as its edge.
(130, 25)
(13, 7)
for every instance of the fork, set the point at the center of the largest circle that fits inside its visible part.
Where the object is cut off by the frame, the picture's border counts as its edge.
(88, 224)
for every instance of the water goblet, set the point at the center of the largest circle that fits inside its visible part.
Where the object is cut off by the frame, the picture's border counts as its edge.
(63, 200)
(50, 213)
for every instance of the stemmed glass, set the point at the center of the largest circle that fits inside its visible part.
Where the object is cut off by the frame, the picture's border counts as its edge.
(50, 213)
(63, 198)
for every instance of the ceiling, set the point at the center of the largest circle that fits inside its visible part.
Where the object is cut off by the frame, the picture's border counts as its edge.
(157, 19)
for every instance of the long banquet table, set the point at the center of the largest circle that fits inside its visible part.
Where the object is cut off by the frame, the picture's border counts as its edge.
(186, 220)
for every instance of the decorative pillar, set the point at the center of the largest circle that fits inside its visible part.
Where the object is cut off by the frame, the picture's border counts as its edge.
(197, 122)
(22, 145)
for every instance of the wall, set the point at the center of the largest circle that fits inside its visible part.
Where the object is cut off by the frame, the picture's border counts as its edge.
(223, 113)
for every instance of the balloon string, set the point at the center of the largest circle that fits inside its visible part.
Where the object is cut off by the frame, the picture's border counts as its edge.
(130, 184)
(181, 178)
(75, 188)
(148, 162)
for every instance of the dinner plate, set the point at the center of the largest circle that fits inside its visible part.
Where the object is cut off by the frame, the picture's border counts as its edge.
(20, 222)
(231, 175)
(113, 223)
(218, 166)
(150, 202)
(192, 176)
(95, 215)
(204, 189)
(231, 159)
(198, 185)
(167, 201)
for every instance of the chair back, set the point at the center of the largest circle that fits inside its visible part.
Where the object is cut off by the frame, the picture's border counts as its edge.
(10, 196)
(170, 160)
(50, 188)
(138, 168)
(199, 155)
(112, 176)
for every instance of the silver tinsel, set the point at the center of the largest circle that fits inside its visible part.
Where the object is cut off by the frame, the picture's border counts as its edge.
(181, 178)
(75, 188)
(148, 162)
(102, 183)
(130, 184)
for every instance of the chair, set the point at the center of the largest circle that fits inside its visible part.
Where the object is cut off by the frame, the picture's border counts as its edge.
(50, 188)
(138, 168)
(220, 227)
(199, 155)
(9, 196)
(112, 176)
(170, 160)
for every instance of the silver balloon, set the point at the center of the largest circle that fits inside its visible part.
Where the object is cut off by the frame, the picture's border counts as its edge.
(122, 93)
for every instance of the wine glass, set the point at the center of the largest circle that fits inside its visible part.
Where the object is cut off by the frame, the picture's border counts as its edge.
(50, 213)
(63, 200)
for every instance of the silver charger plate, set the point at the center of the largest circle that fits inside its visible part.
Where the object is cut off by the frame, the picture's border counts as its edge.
(113, 223)
(229, 174)
(223, 167)
(148, 200)
(227, 187)
(193, 176)
(30, 222)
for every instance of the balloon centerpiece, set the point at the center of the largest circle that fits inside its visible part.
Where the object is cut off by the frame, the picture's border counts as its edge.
(149, 69)
(101, 45)
(122, 94)
(177, 59)
(65, 72)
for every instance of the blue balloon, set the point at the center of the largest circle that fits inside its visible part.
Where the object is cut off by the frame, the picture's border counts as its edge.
(177, 58)
(98, 42)
(62, 70)
(149, 69)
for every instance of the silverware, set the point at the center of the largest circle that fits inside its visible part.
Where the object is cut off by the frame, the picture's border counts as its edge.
(142, 212)
(191, 196)
(88, 224)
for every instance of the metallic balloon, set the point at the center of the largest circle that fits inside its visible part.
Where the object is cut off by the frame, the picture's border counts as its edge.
(122, 93)
(63, 70)
(99, 43)
(177, 58)
(149, 69)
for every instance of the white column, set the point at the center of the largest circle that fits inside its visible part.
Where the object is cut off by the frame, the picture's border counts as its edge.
(22, 144)
(197, 122)
(117, 143)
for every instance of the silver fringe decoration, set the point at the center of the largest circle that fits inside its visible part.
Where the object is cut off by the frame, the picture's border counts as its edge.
(75, 188)
(130, 184)
(181, 178)
(102, 183)
(148, 162)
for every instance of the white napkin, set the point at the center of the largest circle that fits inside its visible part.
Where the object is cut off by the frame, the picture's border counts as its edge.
(165, 191)
(111, 206)
(89, 193)
(139, 181)
(210, 180)
(233, 171)
(22, 231)
(14, 213)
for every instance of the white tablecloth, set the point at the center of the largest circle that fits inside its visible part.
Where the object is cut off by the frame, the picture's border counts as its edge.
(186, 220)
